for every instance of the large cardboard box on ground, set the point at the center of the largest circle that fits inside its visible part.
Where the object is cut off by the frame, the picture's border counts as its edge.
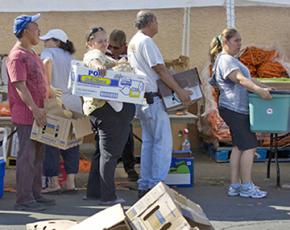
(115, 86)
(188, 80)
(112, 218)
(164, 208)
(61, 132)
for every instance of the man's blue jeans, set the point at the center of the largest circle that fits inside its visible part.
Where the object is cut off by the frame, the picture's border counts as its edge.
(156, 148)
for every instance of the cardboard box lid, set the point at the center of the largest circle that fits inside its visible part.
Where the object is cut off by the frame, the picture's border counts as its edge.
(110, 218)
(189, 209)
(82, 127)
(189, 78)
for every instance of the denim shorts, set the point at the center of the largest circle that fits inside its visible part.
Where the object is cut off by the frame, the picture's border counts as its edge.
(239, 125)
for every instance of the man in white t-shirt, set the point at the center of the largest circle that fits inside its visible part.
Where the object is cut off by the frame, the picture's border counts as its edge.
(146, 59)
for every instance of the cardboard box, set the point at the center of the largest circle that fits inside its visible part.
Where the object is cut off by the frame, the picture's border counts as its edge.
(115, 86)
(181, 172)
(14, 146)
(51, 225)
(61, 132)
(4, 142)
(188, 80)
(112, 218)
(164, 208)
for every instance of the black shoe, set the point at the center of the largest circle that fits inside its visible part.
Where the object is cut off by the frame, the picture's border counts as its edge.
(132, 175)
(31, 206)
(141, 193)
(45, 201)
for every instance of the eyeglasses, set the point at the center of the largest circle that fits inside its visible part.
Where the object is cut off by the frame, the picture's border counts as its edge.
(93, 31)
(114, 47)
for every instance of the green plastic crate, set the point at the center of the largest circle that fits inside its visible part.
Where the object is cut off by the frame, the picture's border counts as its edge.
(271, 116)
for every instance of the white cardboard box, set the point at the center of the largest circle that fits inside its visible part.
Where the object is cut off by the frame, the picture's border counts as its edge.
(112, 218)
(115, 86)
(61, 132)
(164, 208)
(51, 225)
(14, 148)
(4, 133)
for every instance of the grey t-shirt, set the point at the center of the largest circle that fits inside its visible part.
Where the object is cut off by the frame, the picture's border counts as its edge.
(232, 95)
(61, 64)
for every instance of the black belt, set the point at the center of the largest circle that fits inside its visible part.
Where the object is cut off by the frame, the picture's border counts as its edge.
(150, 95)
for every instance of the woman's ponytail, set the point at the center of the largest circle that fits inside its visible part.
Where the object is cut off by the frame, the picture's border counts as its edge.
(215, 48)
(68, 46)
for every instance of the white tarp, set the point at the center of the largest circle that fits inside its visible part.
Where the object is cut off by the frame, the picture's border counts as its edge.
(275, 3)
(99, 5)
(105, 5)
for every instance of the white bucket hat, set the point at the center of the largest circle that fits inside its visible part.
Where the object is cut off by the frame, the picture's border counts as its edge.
(55, 33)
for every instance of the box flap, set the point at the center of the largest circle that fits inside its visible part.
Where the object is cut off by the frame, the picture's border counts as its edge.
(189, 209)
(106, 219)
(82, 127)
(186, 79)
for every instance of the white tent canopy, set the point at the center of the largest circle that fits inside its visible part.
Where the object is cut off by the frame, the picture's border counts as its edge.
(111, 5)
(105, 5)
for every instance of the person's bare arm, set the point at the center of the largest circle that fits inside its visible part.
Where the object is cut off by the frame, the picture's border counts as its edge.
(237, 77)
(165, 76)
(38, 113)
(48, 69)
(53, 92)
(261, 84)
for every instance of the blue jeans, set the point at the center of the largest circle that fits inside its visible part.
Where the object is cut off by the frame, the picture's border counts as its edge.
(156, 148)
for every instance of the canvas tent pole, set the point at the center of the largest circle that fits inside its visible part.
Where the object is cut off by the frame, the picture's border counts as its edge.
(230, 7)
(186, 32)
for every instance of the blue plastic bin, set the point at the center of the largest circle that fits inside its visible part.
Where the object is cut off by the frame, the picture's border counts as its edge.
(272, 116)
(2, 174)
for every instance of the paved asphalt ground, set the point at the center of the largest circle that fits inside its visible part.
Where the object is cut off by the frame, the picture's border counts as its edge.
(211, 180)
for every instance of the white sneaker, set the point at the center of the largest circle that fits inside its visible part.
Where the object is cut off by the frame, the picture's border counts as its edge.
(252, 191)
(232, 191)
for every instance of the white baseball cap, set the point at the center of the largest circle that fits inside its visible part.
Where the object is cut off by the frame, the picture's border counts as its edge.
(55, 33)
